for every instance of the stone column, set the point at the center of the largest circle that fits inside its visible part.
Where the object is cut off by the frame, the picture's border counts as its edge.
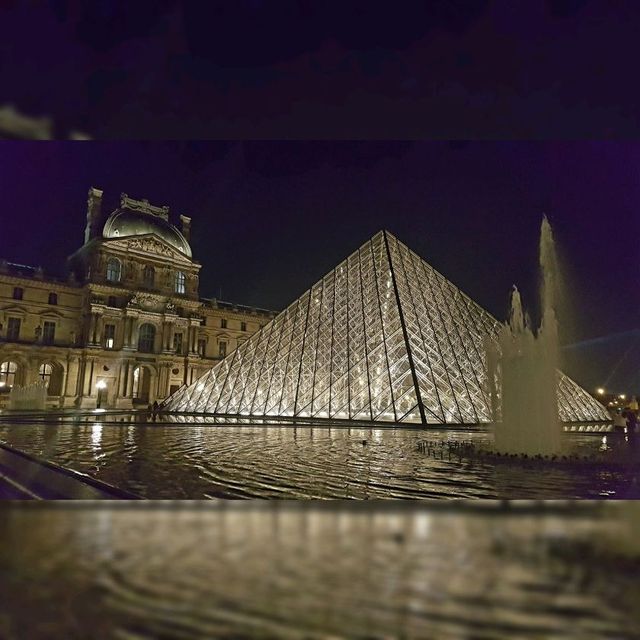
(88, 377)
(91, 338)
(99, 329)
(135, 328)
(130, 380)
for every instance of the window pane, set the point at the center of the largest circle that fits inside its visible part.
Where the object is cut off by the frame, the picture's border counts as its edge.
(13, 329)
(7, 375)
(109, 335)
(146, 338)
(49, 332)
(180, 282)
(113, 270)
(177, 342)
(148, 276)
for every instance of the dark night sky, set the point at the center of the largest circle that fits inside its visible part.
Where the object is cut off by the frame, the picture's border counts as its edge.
(247, 69)
(271, 218)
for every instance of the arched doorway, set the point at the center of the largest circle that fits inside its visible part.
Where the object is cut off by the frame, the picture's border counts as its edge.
(51, 373)
(141, 385)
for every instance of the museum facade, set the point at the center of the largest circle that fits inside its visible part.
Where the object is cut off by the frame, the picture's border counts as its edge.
(127, 326)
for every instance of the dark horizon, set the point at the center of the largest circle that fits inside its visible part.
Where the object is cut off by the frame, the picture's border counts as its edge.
(270, 219)
(297, 69)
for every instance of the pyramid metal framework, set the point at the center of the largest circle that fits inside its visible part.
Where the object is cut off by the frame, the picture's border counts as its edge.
(383, 337)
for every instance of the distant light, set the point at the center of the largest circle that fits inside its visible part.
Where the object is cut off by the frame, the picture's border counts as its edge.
(101, 384)
(600, 390)
(622, 396)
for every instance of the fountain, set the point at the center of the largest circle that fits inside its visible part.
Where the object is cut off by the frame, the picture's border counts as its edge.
(526, 410)
(31, 397)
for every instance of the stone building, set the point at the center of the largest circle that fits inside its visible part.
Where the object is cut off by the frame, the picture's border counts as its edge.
(127, 326)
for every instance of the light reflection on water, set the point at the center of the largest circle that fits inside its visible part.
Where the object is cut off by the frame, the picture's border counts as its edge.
(176, 461)
(299, 571)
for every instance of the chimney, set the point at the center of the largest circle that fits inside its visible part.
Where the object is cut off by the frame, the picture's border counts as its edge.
(94, 214)
(186, 227)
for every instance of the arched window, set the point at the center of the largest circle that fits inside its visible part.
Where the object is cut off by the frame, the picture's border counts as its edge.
(53, 298)
(146, 338)
(180, 282)
(113, 270)
(45, 372)
(7, 375)
(148, 276)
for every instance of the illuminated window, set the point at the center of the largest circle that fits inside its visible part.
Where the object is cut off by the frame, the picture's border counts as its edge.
(146, 338)
(18, 292)
(7, 375)
(109, 335)
(222, 349)
(45, 372)
(53, 298)
(113, 270)
(13, 329)
(49, 333)
(180, 283)
(148, 276)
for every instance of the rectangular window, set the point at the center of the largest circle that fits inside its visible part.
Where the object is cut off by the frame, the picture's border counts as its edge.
(222, 349)
(243, 326)
(18, 292)
(180, 282)
(223, 323)
(13, 329)
(53, 298)
(202, 348)
(177, 342)
(49, 332)
(109, 336)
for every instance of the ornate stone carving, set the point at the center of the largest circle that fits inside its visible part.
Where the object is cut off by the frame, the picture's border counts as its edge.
(149, 245)
(144, 301)
(143, 205)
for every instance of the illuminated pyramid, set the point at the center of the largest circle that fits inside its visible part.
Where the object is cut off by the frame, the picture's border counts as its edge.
(382, 338)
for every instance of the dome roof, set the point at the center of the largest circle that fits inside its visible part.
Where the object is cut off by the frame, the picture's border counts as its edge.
(124, 223)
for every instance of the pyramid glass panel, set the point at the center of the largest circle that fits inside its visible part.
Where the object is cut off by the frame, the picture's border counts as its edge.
(383, 337)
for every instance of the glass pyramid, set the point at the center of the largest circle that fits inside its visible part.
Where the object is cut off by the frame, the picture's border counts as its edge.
(383, 337)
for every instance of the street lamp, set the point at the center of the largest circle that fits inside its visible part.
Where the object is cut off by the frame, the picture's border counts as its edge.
(101, 385)
(600, 391)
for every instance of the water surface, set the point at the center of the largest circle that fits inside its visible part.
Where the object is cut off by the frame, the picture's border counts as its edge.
(178, 460)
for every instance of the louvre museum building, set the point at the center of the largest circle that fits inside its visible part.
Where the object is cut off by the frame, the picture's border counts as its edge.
(127, 325)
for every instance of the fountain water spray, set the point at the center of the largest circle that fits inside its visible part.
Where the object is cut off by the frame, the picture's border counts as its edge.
(525, 364)
(31, 397)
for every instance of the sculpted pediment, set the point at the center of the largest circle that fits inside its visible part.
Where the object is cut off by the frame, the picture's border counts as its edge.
(148, 244)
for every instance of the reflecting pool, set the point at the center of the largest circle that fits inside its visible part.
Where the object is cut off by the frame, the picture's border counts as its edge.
(173, 460)
(300, 571)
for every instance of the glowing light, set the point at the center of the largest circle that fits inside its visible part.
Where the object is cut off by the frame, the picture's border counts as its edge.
(600, 391)
(101, 384)
(2, 384)
(622, 396)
